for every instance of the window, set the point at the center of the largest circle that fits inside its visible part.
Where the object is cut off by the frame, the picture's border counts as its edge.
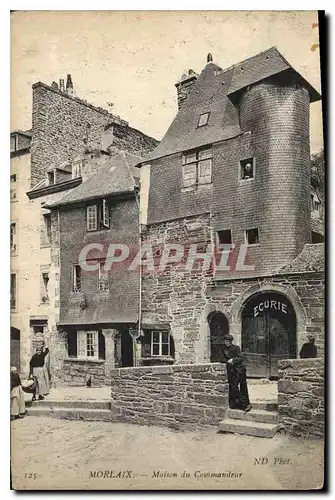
(38, 329)
(51, 178)
(247, 169)
(76, 170)
(92, 222)
(103, 284)
(252, 236)
(47, 227)
(316, 204)
(13, 245)
(13, 187)
(13, 291)
(224, 237)
(160, 343)
(44, 288)
(76, 278)
(13, 143)
(97, 216)
(197, 168)
(203, 119)
(86, 345)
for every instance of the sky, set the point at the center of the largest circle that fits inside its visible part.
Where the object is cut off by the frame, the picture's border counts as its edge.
(133, 59)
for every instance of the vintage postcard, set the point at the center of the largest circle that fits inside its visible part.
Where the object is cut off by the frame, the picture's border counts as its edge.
(167, 250)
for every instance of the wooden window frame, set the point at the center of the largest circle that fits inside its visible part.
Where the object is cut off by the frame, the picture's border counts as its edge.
(75, 278)
(102, 215)
(88, 344)
(207, 114)
(246, 237)
(194, 158)
(160, 342)
(240, 178)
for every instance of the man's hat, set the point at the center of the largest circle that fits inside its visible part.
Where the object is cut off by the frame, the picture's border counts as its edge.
(228, 337)
(310, 336)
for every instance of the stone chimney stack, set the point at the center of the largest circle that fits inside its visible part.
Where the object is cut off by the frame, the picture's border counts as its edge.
(185, 85)
(69, 85)
(61, 85)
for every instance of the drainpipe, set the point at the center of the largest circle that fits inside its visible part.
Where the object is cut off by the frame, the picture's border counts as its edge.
(140, 283)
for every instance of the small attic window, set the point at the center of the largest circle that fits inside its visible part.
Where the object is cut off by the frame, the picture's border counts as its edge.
(203, 119)
(51, 178)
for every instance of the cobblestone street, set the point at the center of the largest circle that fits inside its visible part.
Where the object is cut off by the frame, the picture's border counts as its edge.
(48, 453)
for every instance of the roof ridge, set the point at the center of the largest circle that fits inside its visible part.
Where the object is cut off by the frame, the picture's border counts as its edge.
(232, 66)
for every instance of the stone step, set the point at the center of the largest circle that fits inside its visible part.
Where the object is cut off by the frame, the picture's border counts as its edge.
(258, 429)
(268, 417)
(87, 404)
(270, 405)
(70, 413)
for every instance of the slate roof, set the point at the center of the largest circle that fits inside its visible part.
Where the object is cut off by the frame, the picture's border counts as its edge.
(211, 93)
(310, 259)
(119, 175)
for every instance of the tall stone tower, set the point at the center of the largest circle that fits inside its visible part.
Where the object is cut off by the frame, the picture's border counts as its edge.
(276, 112)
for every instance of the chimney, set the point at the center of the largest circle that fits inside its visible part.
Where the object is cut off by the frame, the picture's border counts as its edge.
(54, 85)
(185, 85)
(69, 85)
(61, 85)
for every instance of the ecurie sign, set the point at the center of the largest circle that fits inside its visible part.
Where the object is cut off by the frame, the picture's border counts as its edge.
(270, 304)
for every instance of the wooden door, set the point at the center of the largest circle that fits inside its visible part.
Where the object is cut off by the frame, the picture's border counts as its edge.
(268, 334)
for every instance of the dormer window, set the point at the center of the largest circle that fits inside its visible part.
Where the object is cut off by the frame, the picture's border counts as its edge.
(76, 170)
(13, 143)
(51, 177)
(203, 119)
(247, 169)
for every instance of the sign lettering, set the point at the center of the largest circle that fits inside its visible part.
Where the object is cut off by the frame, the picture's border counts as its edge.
(270, 304)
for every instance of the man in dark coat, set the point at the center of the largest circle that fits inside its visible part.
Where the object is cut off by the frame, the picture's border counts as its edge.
(309, 349)
(237, 375)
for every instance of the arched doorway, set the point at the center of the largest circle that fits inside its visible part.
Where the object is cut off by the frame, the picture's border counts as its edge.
(15, 347)
(219, 327)
(268, 333)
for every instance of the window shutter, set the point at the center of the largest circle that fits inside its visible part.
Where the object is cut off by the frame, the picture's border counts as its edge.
(72, 344)
(81, 344)
(189, 174)
(95, 344)
(105, 213)
(102, 346)
(205, 172)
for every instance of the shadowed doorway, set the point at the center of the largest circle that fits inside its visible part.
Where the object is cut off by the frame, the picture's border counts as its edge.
(219, 327)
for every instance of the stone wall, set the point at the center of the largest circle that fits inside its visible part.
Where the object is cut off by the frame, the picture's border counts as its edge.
(65, 127)
(181, 300)
(175, 297)
(76, 372)
(301, 396)
(180, 396)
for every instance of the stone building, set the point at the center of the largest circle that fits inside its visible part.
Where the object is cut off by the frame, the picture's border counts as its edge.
(99, 301)
(232, 177)
(67, 144)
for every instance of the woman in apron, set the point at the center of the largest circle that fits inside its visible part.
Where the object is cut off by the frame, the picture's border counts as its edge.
(39, 370)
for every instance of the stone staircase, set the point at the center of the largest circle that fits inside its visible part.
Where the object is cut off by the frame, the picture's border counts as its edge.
(71, 410)
(261, 421)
